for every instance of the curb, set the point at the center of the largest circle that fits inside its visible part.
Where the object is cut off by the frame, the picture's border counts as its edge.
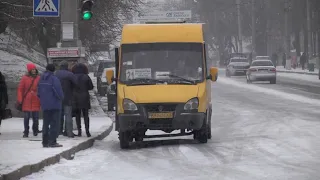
(68, 154)
(292, 72)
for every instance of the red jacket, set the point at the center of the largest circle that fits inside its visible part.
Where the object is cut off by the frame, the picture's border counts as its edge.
(31, 101)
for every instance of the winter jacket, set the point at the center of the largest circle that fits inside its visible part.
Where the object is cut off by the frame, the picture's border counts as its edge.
(31, 101)
(68, 83)
(81, 93)
(3, 93)
(50, 92)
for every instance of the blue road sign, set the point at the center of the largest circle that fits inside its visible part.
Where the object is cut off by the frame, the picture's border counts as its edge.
(46, 8)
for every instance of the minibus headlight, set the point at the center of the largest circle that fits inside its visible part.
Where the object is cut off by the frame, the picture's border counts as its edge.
(192, 104)
(129, 105)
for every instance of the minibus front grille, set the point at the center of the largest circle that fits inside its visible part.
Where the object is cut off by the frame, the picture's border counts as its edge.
(159, 107)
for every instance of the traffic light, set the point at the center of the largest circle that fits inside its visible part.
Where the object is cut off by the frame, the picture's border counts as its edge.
(86, 11)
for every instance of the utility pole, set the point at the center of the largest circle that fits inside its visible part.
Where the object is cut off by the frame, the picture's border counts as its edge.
(238, 2)
(69, 23)
(268, 38)
(286, 38)
(309, 52)
(253, 26)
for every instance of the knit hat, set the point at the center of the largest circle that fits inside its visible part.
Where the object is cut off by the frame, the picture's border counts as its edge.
(50, 67)
(31, 66)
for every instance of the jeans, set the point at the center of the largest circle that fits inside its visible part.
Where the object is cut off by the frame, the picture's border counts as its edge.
(85, 113)
(60, 122)
(49, 129)
(68, 120)
(35, 117)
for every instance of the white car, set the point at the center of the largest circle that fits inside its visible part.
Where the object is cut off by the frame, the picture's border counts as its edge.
(262, 58)
(262, 70)
(237, 65)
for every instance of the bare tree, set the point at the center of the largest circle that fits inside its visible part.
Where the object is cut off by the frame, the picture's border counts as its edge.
(103, 28)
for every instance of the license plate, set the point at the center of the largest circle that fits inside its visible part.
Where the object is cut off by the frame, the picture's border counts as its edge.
(163, 115)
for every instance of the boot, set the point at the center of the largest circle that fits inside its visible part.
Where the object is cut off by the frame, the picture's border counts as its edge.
(79, 132)
(86, 123)
(55, 145)
(25, 135)
(71, 135)
(88, 133)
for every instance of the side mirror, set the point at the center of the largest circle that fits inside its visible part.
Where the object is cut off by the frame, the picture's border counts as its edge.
(109, 76)
(213, 74)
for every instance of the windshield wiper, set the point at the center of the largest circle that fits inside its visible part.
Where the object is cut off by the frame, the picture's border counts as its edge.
(144, 81)
(179, 78)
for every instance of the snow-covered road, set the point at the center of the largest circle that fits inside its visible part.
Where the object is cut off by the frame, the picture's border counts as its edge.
(258, 133)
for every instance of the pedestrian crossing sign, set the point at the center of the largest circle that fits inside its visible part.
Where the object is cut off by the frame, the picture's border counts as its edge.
(46, 8)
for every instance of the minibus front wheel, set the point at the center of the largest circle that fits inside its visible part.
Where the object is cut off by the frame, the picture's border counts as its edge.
(125, 138)
(201, 135)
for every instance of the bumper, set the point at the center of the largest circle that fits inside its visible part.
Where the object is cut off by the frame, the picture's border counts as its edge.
(180, 121)
(262, 77)
(238, 71)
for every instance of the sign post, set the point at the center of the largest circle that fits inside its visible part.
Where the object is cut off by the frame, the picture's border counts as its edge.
(46, 8)
(163, 16)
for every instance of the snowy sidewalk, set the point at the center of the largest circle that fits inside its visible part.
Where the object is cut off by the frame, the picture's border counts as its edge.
(22, 156)
(297, 71)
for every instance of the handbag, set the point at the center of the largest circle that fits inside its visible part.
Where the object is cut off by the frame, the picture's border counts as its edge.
(7, 114)
(19, 105)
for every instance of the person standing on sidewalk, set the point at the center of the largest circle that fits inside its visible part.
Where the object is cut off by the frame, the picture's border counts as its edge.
(82, 96)
(68, 83)
(51, 96)
(274, 59)
(284, 60)
(303, 60)
(28, 99)
(3, 97)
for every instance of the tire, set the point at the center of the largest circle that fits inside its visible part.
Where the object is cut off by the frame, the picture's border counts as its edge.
(202, 134)
(209, 124)
(124, 138)
(209, 129)
(273, 81)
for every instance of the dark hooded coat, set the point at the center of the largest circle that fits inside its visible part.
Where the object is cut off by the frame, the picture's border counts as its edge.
(3, 93)
(68, 83)
(81, 97)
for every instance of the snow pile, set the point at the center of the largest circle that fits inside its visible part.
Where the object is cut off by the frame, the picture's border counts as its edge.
(16, 152)
(303, 77)
(297, 70)
(284, 95)
(13, 67)
(11, 43)
(14, 56)
(96, 109)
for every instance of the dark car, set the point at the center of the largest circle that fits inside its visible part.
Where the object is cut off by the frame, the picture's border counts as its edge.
(101, 81)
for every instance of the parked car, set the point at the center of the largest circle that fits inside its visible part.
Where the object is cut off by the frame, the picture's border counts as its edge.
(262, 70)
(111, 89)
(237, 65)
(101, 81)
